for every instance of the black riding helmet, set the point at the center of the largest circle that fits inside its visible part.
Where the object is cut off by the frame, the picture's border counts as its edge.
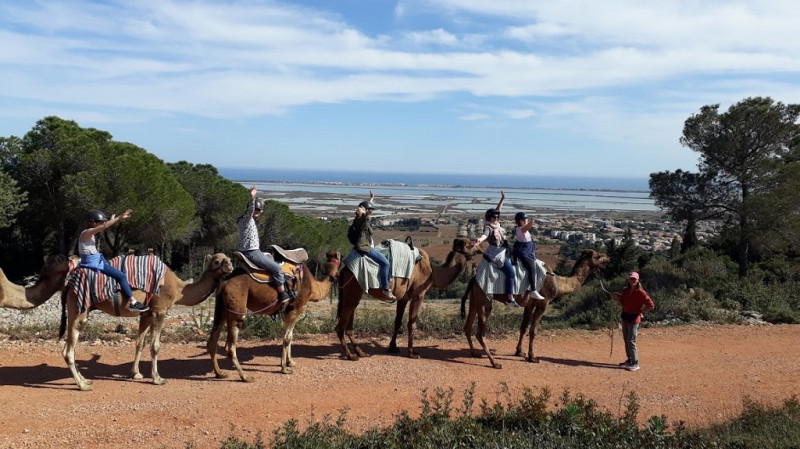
(519, 216)
(259, 204)
(96, 215)
(491, 213)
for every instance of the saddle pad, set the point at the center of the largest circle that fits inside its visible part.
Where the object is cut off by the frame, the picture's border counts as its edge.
(145, 273)
(401, 260)
(492, 280)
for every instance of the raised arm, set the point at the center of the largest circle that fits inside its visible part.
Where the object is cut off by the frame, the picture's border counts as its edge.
(500, 203)
(87, 234)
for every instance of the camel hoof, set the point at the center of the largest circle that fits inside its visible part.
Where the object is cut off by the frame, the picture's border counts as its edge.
(518, 353)
(159, 381)
(88, 381)
(361, 353)
(287, 371)
(413, 355)
(532, 359)
(352, 357)
(497, 366)
(86, 387)
(247, 379)
(137, 376)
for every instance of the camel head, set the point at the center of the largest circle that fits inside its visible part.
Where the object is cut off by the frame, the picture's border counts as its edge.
(58, 265)
(332, 260)
(218, 265)
(463, 246)
(594, 259)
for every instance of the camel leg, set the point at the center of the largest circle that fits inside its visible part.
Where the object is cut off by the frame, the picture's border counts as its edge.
(211, 347)
(352, 339)
(468, 329)
(537, 318)
(340, 331)
(523, 327)
(286, 358)
(482, 319)
(75, 323)
(413, 313)
(398, 321)
(233, 337)
(145, 321)
(155, 345)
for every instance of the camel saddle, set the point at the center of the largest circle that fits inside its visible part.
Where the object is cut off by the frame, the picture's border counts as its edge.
(290, 261)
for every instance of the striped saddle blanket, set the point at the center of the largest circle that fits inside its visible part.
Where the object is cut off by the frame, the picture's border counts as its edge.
(401, 259)
(145, 273)
(492, 280)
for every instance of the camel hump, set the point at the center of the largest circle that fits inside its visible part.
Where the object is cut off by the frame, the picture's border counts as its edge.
(297, 255)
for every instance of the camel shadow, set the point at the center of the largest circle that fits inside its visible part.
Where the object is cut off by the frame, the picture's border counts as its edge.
(573, 362)
(39, 376)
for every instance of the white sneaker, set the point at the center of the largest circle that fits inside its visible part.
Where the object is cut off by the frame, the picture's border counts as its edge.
(632, 367)
(536, 295)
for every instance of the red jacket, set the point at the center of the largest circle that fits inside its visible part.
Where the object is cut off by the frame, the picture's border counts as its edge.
(633, 300)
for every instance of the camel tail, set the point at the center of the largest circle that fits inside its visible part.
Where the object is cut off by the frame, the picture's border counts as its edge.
(62, 329)
(464, 298)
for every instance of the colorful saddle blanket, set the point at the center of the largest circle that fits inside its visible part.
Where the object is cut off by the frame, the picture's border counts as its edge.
(401, 259)
(145, 273)
(492, 280)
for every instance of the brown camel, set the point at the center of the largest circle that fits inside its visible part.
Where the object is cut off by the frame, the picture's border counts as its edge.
(430, 276)
(50, 280)
(480, 306)
(410, 290)
(239, 293)
(173, 291)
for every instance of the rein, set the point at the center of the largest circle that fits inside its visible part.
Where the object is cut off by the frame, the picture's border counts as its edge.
(611, 322)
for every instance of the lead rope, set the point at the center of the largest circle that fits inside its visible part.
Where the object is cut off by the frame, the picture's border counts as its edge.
(611, 323)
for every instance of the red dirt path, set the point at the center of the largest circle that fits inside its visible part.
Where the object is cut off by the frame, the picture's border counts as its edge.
(698, 374)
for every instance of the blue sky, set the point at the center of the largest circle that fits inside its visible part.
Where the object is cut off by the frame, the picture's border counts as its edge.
(597, 88)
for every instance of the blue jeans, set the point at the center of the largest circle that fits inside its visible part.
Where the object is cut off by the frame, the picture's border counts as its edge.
(629, 332)
(120, 277)
(262, 261)
(383, 267)
(95, 261)
(508, 270)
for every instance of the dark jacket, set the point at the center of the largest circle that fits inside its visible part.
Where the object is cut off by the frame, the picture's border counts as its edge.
(364, 243)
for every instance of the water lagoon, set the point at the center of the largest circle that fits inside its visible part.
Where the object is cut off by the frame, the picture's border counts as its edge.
(332, 199)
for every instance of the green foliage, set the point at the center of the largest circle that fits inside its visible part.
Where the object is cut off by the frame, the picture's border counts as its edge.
(12, 200)
(529, 421)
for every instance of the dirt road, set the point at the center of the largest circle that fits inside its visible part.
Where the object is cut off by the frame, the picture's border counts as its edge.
(698, 374)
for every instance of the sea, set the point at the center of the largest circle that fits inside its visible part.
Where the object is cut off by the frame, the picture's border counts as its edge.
(458, 193)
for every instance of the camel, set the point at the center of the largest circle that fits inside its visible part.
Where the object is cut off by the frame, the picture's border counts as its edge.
(239, 293)
(173, 291)
(407, 291)
(51, 279)
(437, 277)
(480, 306)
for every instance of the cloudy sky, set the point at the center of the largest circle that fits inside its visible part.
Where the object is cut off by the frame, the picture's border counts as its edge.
(582, 87)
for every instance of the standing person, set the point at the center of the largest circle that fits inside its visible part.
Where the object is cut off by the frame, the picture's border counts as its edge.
(525, 249)
(91, 258)
(250, 248)
(635, 302)
(496, 251)
(364, 245)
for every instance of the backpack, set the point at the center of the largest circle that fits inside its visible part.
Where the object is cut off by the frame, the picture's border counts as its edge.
(353, 234)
